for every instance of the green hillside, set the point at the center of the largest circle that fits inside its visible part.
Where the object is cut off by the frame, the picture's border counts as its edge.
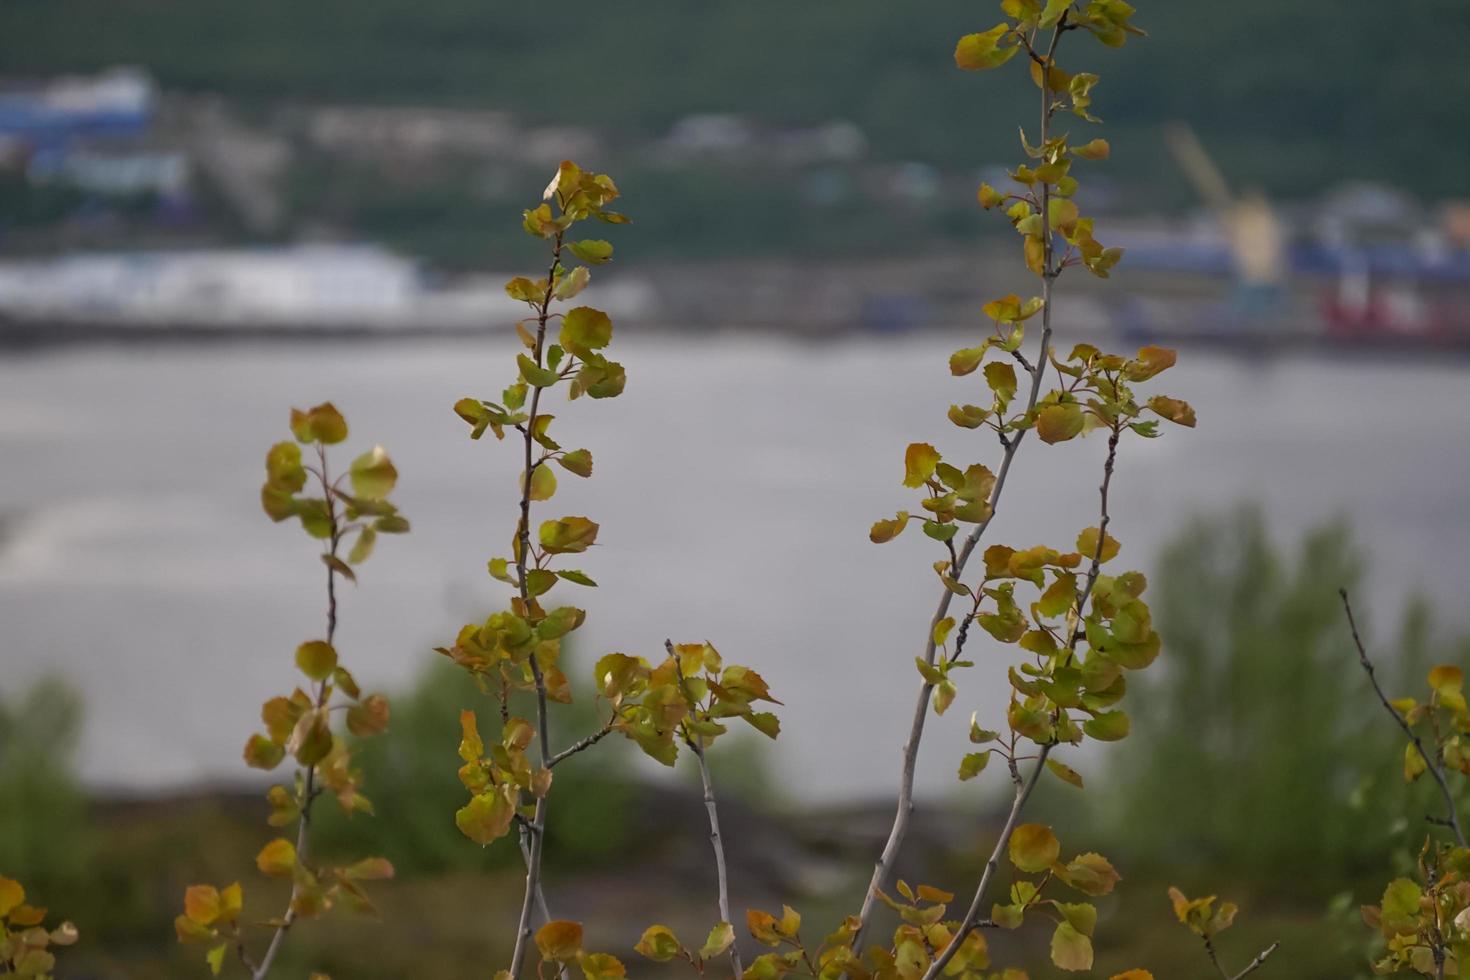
(1286, 94)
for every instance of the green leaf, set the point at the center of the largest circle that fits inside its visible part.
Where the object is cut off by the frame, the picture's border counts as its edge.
(1400, 909)
(1053, 13)
(283, 469)
(1070, 949)
(604, 379)
(938, 531)
(658, 943)
(485, 817)
(1064, 772)
(593, 251)
(968, 416)
(973, 764)
(316, 659)
(573, 575)
(963, 362)
(721, 937)
(572, 283)
(568, 535)
(1110, 726)
(543, 483)
(263, 753)
(323, 424)
(535, 374)
(525, 290)
(585, 329)
(362, 548)
(1058, 423)
(1001, 378)
(373, 474)
(578, 461)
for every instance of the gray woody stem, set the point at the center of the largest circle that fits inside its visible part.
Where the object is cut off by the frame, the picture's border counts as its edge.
(716, 841)
(972, 915)
(1260, 958)
(1023, 789)
(303, 830)
(889, 855)
(523, 532)
(1432, 763)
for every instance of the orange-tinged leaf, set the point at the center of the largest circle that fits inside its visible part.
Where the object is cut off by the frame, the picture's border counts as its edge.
(202, 904)
(560, 940)
(884, 531)
(277, 859)
(263, 753)
(485, 817)
(369, 716)
(919, 461)
(1087, 545)
(369, 869)
(1149, 362)
(1033, 847)
(11, 894)
(978, 52)
(1173, 409)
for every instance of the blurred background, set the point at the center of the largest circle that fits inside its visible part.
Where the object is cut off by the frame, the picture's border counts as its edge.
(211, 212)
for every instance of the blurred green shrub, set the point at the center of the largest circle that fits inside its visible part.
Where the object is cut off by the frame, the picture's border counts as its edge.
(1266, 754)
(43, 815)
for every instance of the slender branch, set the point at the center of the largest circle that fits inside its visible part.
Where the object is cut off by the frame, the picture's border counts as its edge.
(889, 855)
(1430, 762)
(581, 745)
(1023, 789)
(696, 745)
(310, 792)
(1214, 958)
(972, 915)
(1253, 964)
(537, 829)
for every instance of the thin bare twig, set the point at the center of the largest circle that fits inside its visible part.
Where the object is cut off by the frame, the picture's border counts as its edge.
(716, 841)
(889, 855)
(1024, 788)
(258, 971)
(537, 829)
(1431, 763)
(972, 915)
(582, 745)
(1253, 964)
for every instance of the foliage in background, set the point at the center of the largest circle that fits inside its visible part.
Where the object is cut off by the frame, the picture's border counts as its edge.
(1234, 70)
(415, 790)
(44, 838)
(1258, 667)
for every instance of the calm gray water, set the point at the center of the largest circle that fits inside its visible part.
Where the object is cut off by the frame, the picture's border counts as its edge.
(735, 482)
